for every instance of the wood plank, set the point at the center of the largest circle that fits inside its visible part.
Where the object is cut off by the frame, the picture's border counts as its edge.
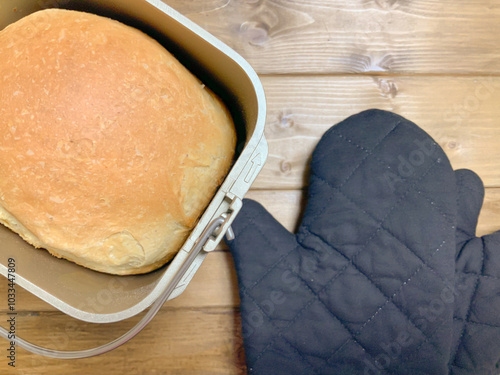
(177, 341)
(341, 36)
(461, 113)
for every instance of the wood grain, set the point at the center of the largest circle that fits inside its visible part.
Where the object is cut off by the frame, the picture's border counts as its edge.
(368, 36)
(178, 341)
(461, 113)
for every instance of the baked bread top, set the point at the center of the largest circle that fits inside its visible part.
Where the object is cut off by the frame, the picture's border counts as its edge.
(110, 149)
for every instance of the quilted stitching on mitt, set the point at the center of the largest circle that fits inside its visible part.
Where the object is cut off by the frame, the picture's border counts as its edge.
(385, 274)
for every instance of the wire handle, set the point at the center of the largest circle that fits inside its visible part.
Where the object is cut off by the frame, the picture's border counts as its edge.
(75, 354)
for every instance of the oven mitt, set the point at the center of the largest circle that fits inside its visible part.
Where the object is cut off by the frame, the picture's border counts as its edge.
(367, 286)
(476, 348)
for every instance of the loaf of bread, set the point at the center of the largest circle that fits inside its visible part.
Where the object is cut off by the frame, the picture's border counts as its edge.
(110, 149)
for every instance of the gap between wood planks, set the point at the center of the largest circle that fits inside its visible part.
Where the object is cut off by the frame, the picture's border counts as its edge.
(380, 74)
(460, 113)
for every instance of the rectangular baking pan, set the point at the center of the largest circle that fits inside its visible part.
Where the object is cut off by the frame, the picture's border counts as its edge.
(100, 298)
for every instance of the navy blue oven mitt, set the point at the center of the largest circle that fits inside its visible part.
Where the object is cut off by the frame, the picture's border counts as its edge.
(385, 274)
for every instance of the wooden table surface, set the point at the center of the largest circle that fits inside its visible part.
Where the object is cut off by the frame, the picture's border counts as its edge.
(320, 61)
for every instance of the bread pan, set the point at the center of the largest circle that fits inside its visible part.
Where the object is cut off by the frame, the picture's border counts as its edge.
(100, 298)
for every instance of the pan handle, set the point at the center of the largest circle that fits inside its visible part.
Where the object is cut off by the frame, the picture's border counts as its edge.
(212, 231)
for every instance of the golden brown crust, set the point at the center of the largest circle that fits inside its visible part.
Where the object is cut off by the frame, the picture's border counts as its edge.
(109, 148)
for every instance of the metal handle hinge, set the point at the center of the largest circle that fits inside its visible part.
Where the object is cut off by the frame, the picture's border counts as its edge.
(234, 205)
